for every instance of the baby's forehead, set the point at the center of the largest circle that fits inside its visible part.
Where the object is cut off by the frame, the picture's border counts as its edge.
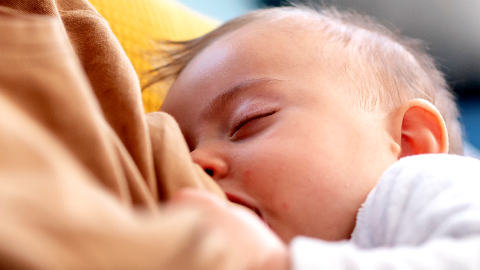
(297, 35)
(327, 45)
(294, 27)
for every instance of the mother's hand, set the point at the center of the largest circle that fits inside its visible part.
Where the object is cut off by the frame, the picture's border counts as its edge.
(247, 242)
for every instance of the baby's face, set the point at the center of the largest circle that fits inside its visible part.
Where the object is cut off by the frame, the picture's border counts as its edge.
(276, 132)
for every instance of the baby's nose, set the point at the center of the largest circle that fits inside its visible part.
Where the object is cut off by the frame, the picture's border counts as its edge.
(212, 163)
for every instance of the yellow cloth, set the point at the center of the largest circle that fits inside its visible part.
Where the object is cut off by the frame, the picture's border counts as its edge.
(138, 23)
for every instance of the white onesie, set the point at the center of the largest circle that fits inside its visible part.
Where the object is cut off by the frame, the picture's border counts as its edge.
(424, 213)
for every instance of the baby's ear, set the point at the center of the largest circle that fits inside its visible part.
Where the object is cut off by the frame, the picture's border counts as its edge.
(419, 129)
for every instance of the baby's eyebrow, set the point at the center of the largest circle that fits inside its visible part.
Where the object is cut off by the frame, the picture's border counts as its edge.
(219, 102)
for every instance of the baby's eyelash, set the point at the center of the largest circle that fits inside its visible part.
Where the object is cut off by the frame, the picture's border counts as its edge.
(248, 118)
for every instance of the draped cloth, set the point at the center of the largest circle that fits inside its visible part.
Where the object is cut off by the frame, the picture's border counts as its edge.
(83, 172)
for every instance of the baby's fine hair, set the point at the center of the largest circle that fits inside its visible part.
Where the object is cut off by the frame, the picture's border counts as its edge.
(388, 69)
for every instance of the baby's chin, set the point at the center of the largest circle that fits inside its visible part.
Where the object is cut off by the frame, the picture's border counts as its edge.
(287, 233)
(283, 231)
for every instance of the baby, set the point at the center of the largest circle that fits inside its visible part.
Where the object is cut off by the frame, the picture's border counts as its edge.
(297, 114)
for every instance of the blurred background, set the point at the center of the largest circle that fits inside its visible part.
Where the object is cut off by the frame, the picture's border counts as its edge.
(450, 28)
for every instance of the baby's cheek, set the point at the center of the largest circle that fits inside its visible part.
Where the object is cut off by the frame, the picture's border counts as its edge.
(247, 175)
(250, 181)
(253, 180)
(268, 174)
(258, 184)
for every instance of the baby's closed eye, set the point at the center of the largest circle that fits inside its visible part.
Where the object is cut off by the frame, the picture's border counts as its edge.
(251, 124)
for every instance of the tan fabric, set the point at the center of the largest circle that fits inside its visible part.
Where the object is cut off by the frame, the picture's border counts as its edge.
(169, 158)
(81, 171)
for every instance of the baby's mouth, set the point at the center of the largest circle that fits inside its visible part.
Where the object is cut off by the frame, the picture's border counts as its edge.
(238, 200)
